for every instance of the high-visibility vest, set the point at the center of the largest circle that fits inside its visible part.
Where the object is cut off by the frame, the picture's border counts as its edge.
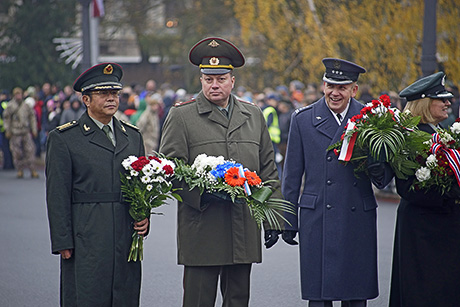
(274, 128)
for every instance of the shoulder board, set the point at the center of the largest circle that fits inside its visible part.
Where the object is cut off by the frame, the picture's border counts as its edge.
(245, 101)
(67, 125)
(181, 103)
(297, 111)
(129, 124)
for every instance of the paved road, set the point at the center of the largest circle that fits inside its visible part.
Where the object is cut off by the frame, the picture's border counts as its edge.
(29, 274)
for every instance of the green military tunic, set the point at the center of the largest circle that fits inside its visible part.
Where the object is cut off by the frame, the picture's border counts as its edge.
(222, 233)
(85, 213)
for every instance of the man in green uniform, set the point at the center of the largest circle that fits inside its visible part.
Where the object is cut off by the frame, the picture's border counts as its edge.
(89, 224)
(218, 239)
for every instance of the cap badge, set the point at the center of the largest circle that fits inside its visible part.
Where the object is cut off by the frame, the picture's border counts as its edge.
(336, 64)
(213, 43)
(214, 61)
(108, 70)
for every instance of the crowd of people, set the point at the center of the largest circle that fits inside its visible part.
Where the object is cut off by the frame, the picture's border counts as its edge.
(88, 129)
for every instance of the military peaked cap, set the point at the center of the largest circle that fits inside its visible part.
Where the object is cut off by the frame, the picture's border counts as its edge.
(431, 86)
(216, 56)
(103, 76)
(341, 72)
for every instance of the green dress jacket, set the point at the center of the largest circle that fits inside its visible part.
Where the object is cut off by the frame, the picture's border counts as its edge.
(86, 214)
(219, 232)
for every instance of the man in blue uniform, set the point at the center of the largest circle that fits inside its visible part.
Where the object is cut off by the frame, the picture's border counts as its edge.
(336, 211)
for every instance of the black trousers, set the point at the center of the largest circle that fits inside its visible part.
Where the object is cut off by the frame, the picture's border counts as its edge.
(357, 303)
(200, 285)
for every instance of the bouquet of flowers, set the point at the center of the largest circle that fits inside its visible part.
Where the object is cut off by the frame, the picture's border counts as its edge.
(439, 165)
(382, 134)
(216, 175)
(146, 185)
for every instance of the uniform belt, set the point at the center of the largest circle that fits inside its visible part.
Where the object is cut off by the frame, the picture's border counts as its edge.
(95, 197)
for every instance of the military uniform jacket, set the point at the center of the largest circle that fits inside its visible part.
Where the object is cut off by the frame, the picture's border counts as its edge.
(221, 233)
(336, 210)
(85, 213)
(19, 118)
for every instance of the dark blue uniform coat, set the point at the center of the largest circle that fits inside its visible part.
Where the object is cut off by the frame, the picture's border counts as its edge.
(336, 210)
(86, 215)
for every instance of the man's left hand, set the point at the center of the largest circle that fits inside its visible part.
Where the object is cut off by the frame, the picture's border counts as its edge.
(142, 226)
(271, 237)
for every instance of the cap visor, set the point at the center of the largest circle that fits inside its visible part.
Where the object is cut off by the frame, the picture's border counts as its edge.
(215, 71)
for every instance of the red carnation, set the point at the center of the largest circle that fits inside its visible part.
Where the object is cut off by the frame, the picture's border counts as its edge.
(139, 164)
(168, 169)
(385, 100)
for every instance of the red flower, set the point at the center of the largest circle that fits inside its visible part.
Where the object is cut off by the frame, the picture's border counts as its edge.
(155, 158)
(168, 169)
(457, 120)
(139, 164)
(232, 177)
(385, 99)
(336, 152)
(252, 178)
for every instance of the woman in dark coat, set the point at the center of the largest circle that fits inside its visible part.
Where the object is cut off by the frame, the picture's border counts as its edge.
(426, 270)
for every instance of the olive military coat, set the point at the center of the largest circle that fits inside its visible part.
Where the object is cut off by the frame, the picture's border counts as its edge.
(426, 248)
(220, 232)
(85, 213)
(336, 211)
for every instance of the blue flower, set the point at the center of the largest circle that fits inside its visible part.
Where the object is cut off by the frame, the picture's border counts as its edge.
(221, 169)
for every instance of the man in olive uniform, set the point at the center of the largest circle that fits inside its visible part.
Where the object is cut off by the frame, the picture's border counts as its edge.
(20, 125)
(89, 224)
(217, 238)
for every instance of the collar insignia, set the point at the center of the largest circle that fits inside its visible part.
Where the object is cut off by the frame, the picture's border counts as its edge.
(318, 117)
(86, 127)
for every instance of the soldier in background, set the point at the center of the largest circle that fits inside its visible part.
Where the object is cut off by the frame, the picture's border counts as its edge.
(20, 125)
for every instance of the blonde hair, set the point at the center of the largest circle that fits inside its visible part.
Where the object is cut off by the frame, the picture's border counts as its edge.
(421, 107)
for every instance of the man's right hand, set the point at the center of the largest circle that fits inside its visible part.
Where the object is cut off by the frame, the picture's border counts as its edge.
(288, 237)
(66, 253)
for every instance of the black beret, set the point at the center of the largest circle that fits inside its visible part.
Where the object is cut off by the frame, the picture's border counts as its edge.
(100, 77)
(431, 86)
(216, 56)
(340, 71)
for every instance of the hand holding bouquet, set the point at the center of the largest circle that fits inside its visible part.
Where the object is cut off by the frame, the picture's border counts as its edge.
(216, 175)
(146, 186)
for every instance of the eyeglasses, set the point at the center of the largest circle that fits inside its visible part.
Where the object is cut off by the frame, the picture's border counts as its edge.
(106, 93)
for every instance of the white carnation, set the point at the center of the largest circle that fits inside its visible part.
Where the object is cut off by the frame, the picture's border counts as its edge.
(431, 161)
(423, 174)
(455, 128)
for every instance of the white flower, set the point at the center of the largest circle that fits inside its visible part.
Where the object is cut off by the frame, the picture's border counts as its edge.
(155, 166)
(423, 174)
(147, 170)
(446, 138)
(134, 173)
(128, 161)
(145, 179)
(431, 161)
(204, 163)
(455, 128)
(149, 187)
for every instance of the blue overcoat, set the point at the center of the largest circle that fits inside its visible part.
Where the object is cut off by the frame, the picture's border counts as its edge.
(336, 210)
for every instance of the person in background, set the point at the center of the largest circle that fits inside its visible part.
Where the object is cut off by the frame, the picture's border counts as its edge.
(7, 156)
(217, 240)
(75, 111)
(425, 269)
(149, 123)
(90, 225)
(20, 125)
(337, 211)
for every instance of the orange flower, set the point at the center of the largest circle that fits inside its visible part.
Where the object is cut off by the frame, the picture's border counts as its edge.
(252, 178)
(232, 177)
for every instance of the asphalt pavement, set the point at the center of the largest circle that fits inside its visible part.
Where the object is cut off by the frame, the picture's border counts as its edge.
(29, 274)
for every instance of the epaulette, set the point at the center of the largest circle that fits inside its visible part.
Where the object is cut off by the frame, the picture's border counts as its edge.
(66, 126)
(297, 111)
(129, 124)
(245, 101)
(181, 103)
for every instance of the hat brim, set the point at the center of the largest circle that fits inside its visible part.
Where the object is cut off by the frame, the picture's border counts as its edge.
(215, 71)
(336, 81)
(442, 95)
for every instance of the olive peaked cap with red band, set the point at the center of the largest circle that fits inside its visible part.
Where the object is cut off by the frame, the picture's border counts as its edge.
(105, 76)
(216, 56)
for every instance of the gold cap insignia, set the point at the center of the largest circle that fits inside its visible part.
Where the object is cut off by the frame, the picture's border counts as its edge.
(214, 61)
(213, 43)
(108, 70)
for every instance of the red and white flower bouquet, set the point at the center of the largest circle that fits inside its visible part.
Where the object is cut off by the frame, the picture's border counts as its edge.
(146, 185)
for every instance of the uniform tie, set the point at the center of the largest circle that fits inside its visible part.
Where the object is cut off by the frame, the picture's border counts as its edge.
(225, 112)
(339, 116)
(106, 130)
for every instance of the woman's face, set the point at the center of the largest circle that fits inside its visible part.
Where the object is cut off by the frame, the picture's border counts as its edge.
(438, 109)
